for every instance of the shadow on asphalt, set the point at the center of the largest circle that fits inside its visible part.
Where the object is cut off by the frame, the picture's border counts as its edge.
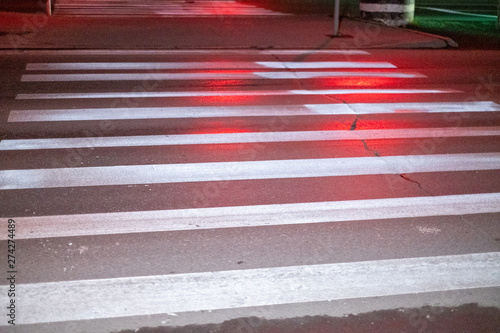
(469, 318)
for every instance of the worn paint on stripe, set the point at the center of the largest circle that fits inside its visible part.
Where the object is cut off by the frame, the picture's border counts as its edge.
(208, 76)
(171, 294)
(223, 171)
(246, 111)
(252, 137)
(162, 94)
(202, 65)
(253, 216)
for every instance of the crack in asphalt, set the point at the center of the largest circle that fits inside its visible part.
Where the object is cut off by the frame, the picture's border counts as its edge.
(475, 227)
(290, 70)
(405, 177)
(7, 33)
(376, 153)
(354, 126)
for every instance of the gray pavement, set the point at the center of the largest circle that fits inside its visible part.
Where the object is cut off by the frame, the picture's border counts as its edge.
(39, 31)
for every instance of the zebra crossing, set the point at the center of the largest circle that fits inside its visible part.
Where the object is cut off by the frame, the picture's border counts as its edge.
(268, 167)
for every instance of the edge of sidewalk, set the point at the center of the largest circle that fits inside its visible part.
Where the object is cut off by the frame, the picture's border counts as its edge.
(449, 42)
(17, 26)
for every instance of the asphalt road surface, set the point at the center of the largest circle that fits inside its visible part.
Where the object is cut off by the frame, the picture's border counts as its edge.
(172, 188)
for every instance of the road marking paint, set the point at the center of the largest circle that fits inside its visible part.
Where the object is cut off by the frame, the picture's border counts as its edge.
(161, 94)
(208, 76)
(170, 112)
(252, 52)
(454, 12)
(440, 107)
(310, 75)
(203, 65)
(246, 111)
(32, 227)
(252, 137)
(325, 64)
(124, 297)
(223, 171)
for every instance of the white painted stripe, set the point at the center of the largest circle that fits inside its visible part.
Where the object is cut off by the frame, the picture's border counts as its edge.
(198, 9)
(31, 227)
(208, 76)
(310, 75)
(202, 65)
(223, 171)
(493, 17)
(161, 94)
(252, 52)
(206, 291)
(326, 64)
(246, 111)
(386, 8)
(165, 113)
(252, 137)
(299, 52)
(182, 12)
(175, 112)
(441, 107)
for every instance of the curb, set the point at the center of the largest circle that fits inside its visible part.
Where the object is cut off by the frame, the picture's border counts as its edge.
(450, 42)
(442, 42)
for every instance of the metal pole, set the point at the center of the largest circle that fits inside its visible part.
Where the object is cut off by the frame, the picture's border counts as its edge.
(336, 18)
(49, 7)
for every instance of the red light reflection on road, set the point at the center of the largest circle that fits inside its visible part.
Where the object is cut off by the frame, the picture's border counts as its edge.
(221, 127)
(224, 83)
(221, 100)
(336, 125)
(225, 11)
(377, 98)
(371, 124)
(357, 82)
